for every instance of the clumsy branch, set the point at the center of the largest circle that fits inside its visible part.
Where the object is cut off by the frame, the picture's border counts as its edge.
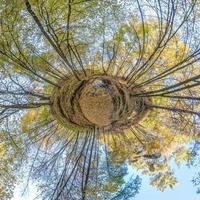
(174, 109)
(55, 46)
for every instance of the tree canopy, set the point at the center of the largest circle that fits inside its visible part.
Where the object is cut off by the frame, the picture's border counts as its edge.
(89, 88)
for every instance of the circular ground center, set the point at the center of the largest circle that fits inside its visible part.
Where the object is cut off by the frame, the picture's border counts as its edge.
(96, 101)
(101, 101)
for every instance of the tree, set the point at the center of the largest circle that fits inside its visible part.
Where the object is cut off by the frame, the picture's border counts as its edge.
(9, 155)
(82, 76)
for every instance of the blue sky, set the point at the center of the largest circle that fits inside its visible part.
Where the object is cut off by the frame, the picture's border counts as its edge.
(30, 193)
(183, 191)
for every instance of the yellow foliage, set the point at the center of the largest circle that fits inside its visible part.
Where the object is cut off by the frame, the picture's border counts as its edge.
(27, 119)
(2, 150)
(33, 116)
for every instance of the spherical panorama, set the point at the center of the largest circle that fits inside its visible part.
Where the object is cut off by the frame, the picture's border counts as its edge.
(98, 101)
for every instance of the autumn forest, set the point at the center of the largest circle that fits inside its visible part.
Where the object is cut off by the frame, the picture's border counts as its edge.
(92, 90)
